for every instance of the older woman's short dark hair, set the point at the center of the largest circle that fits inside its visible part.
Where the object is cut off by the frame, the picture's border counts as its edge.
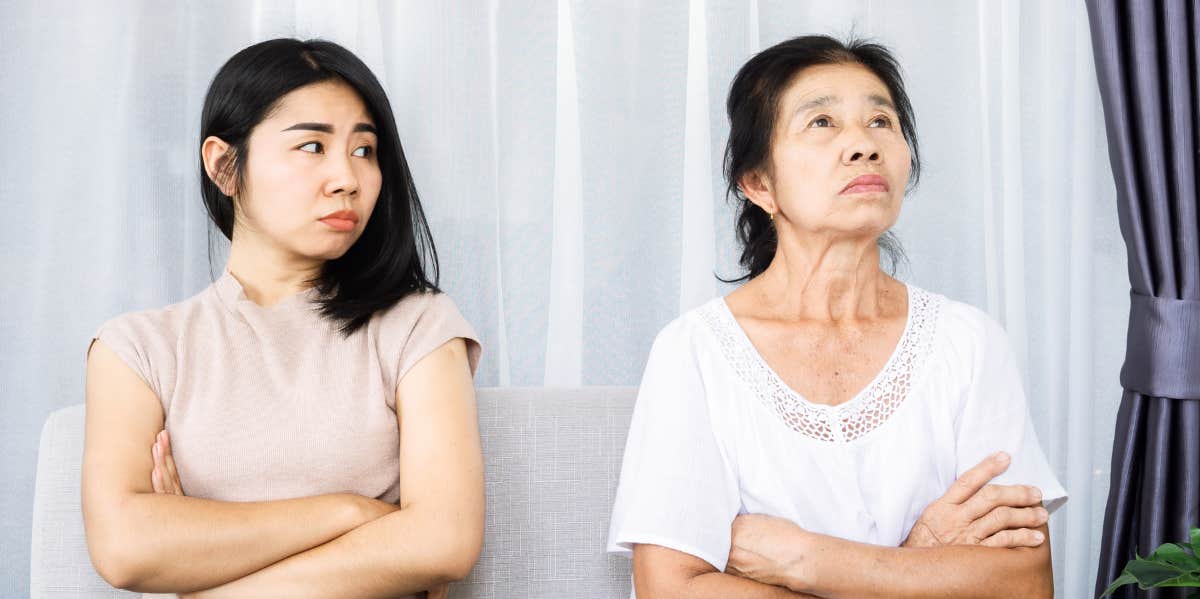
(753, 106)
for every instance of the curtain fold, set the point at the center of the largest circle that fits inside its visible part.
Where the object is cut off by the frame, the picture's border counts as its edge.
(1146, 65)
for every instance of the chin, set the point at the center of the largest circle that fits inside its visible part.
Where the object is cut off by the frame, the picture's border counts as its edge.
(880, 211)
(868, 227)
(330, 252)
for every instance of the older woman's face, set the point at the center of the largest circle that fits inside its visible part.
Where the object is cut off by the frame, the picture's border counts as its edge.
(839, 162)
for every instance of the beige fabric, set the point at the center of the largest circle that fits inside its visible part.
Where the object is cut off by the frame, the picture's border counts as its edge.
(267, 403)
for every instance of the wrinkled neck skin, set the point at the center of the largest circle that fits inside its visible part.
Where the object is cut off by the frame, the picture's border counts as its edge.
(827, 278)
(267, 272)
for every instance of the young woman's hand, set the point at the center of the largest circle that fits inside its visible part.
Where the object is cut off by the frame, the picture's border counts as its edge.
(163, 476)
(438, 592)
(973, 512)
(767, 549)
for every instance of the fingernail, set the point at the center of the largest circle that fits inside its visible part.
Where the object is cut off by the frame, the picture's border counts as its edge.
(1037, 536)
(1037, 494)
(1042, 513)
(1001, 457)
(156, 450)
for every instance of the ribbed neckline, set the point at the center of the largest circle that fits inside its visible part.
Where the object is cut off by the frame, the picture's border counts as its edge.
(231, 293)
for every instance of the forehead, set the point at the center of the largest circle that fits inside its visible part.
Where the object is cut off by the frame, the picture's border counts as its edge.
(326, 101)
(846, 82)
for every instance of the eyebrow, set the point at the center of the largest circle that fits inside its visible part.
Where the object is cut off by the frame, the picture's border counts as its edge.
(879, 100)
(874, 99)
(327, 128)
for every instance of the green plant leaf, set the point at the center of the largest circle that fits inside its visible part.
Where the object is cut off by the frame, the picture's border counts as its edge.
(1122, 580)
(1187, 580)
(1151, 573)
(1175, 555)
(1171, 565)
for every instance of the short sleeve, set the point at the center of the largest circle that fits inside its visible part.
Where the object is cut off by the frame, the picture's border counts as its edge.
(126, 338)
(422, 323)
(677, 486)
(995, 417)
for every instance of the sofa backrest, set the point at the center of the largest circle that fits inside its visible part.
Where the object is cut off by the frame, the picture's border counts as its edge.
(552, 459)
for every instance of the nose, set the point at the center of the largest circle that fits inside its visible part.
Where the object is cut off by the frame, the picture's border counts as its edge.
(341, 178)
(861, 148)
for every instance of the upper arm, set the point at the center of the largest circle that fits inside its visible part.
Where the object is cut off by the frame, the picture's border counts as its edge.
(664, 572)
(678, 487)
(441, 462)
(122, 418)
(995, 416)
(1040, 564)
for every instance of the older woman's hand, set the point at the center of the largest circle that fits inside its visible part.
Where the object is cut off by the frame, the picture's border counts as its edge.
(973, 512)
(163, 476)
(768, 549)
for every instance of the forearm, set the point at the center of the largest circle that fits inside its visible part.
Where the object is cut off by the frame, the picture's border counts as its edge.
(719, 585)
(404, 552)
(172, 543)
(839, 568)
(660, 572)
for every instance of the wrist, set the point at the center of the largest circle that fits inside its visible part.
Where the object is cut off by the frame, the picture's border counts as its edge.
(356, 510)
(800, 568)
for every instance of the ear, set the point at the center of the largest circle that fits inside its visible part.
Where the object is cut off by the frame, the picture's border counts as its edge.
(757, 188)
(218, 164)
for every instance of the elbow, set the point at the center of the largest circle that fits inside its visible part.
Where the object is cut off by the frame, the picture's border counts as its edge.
(456, 554)
(462, 555)
(115, 554)
(117, 563)
(457, 569)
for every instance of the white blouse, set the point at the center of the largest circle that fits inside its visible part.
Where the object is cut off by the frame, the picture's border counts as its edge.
(717, 433)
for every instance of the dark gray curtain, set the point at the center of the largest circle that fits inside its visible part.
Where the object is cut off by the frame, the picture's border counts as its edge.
(1146, 64)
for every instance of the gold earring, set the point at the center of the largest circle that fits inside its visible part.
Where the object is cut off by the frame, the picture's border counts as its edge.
(772, 214)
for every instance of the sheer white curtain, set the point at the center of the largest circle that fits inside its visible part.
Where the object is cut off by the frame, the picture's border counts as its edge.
(568, 155)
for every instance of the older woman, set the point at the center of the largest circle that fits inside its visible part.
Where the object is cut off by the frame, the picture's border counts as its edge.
(827, 430)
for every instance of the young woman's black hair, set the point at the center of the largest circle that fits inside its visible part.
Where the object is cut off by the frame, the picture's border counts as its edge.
(389, 260)
(753, 105)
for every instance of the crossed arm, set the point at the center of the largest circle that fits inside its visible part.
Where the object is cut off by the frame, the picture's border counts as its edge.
(327, 545)
(977, 540)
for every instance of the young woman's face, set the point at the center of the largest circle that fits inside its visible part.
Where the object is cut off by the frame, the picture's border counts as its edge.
(837, 124)
(312, 178)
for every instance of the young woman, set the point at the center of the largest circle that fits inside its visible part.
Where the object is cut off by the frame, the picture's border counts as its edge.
(816, 432)
(306, 425)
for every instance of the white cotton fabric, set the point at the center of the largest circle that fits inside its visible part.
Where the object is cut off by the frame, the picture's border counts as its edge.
(716, 433)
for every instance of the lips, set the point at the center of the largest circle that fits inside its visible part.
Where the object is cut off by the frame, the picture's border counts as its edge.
(342, 220)
(865, 184)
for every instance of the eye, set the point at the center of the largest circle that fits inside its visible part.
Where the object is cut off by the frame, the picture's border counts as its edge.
(316, 146)
(820, 122)
(364, 151)
(886, 122)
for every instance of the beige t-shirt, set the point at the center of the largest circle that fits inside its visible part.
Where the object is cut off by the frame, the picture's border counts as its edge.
(268, 403)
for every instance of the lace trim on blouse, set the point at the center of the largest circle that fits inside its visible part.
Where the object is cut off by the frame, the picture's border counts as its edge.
(847, 421)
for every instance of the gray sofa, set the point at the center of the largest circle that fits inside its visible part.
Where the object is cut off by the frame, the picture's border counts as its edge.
(552, 457)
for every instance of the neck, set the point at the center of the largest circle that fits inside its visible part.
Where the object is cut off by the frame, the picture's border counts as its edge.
(827, 279)
(267, 273)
